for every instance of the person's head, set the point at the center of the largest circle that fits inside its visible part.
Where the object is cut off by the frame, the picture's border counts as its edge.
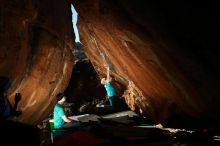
(5, 84)
(61, 98)
(103, 81)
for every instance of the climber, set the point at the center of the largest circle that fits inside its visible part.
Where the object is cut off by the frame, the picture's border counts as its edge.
(60, 118)
(110, 91)
(6, 109)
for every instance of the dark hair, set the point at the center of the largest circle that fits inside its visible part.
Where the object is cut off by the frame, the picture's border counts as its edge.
(59, 96)
(5, 83)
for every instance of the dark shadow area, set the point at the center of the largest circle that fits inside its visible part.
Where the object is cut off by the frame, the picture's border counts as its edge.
(203, 126)
(127, 131)
(84, 85)
(188, 32)
(85, 91)
(15, 133)
(79, 54)
(12, 132)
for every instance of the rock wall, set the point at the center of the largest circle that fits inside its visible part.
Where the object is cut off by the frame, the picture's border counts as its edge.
(167, 68)
(36, 43)
(160, 76)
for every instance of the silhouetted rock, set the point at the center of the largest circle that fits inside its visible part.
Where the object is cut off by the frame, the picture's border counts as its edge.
(15, 133)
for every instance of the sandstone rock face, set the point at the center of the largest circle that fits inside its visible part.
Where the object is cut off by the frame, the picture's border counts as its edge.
(160, 77)
(36, 42)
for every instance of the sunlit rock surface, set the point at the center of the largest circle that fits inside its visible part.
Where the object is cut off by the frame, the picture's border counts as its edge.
(165, 56)
(164, 77)
(36, 42)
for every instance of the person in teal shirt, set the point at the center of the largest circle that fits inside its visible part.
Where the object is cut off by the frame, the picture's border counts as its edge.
(109, 89)
(59, 115)
(110, 92)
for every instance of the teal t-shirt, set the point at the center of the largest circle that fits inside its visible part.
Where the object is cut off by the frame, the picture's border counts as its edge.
(57, 116)
(110, 89)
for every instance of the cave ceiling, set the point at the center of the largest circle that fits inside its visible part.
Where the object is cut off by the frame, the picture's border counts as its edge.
(165, 55)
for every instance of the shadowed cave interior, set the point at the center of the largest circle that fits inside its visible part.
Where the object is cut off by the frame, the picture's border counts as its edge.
(163, 59)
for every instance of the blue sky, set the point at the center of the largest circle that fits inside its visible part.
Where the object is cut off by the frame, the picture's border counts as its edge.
(74, 21)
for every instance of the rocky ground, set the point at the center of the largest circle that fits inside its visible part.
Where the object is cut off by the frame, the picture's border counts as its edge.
(120, 132)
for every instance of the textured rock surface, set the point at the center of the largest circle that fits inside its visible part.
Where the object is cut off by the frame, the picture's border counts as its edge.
(169, 67)
(36, 43)
(166, 79)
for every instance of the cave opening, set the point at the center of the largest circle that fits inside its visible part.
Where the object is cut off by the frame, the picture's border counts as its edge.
(85, 89)
(78, 52)
(84, 85)
(162, 54)
(74, 21)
